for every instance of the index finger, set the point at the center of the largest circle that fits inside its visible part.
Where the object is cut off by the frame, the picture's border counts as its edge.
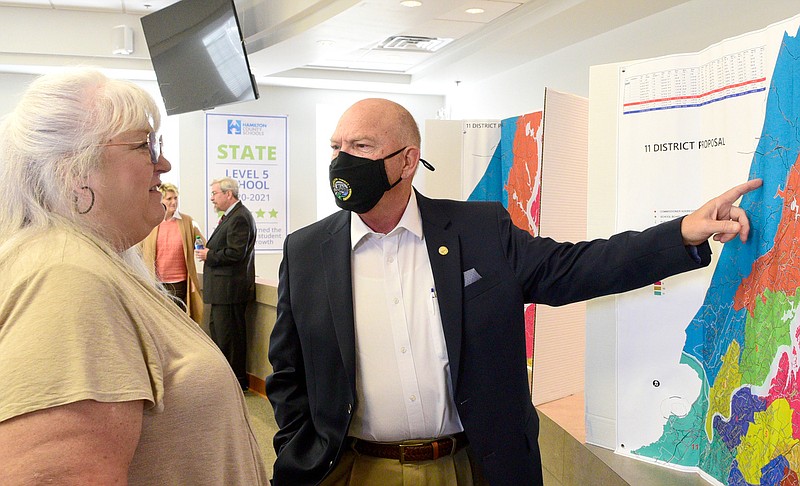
(731, 195)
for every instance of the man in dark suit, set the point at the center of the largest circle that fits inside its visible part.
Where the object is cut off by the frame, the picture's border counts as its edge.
(229, 274)
(399, 337)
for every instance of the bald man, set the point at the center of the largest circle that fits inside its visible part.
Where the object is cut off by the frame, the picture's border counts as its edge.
(398, 353)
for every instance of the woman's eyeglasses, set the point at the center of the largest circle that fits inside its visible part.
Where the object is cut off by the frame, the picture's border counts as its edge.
(153, 145)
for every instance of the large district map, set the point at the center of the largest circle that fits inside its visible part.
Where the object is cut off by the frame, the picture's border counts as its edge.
(744, 428)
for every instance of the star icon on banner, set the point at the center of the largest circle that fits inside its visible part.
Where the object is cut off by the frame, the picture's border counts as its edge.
(273, 214)
(260, 213)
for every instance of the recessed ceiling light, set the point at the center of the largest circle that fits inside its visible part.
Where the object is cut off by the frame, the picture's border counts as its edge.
(326, 43)
(411, 3)
(474, 11)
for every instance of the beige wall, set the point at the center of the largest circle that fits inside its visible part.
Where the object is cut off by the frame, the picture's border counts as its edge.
(260, 320)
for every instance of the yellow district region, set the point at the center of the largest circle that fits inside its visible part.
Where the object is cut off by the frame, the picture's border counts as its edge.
(768, 437)
(729, 379)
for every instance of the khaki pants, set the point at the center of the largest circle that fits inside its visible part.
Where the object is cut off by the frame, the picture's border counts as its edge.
(355, 469)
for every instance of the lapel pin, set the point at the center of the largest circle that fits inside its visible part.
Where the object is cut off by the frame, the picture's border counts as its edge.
(443, 250)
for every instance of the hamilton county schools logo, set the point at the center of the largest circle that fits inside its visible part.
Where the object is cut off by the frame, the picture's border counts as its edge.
(341, 189)
(234, 127)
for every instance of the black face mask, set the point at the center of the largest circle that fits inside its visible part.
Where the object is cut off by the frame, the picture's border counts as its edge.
(359, 183)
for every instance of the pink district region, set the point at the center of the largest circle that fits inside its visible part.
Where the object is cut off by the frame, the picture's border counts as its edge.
(784, 385)
(777, 269)
(530, 320)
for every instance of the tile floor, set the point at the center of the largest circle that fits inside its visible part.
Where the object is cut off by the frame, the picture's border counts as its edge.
(263, 422)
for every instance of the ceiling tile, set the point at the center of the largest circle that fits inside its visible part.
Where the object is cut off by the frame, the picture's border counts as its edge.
(444, 28)
(97, 5)
(145, 6)
(117, 6)
(373, 59)
(28, 3)
(492, 10)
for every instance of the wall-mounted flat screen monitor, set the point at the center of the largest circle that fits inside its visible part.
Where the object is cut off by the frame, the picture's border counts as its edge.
(198, 55)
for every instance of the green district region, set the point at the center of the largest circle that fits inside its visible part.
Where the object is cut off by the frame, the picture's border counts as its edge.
(764, 332)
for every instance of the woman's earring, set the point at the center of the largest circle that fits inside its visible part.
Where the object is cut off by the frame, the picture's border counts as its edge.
(91, 204)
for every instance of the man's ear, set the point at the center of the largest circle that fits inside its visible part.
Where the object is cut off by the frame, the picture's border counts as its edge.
(410, 161)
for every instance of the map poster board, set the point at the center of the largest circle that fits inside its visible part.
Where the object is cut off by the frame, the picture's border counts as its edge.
(252, 150)
(512, 175)
(708, 361)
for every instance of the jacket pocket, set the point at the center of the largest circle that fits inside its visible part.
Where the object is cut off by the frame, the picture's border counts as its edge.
(487, 281)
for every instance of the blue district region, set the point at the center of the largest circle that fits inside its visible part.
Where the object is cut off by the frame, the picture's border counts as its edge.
(492, 186)
(717, 323)
(735, 478)
(744, 405)
(771, 474)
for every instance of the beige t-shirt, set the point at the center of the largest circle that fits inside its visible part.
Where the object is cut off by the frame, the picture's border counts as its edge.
(76, 324)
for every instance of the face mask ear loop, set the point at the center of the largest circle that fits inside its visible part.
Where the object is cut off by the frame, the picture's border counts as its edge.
(395, 183)
(427, 165)
(393, 154)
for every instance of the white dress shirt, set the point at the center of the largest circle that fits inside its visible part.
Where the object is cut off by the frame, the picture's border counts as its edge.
(403, 381)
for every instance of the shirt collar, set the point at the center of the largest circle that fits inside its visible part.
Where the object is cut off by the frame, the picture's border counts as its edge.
(175, 216)
(410, 221)
(230, 208)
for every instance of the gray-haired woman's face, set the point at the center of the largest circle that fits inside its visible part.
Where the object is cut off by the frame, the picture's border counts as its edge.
(128, 202)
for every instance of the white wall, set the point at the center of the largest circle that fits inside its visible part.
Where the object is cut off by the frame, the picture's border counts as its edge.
(48, 37)
(11, 88)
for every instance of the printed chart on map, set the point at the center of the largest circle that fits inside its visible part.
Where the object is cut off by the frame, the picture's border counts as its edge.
(728, 76)
(708, 365)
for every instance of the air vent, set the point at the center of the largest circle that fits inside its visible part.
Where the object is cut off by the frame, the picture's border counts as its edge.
(414, 43)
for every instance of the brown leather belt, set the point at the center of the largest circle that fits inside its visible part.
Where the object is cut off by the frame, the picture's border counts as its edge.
(412, 450)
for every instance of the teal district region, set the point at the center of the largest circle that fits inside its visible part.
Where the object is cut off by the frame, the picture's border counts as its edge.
(683, 437)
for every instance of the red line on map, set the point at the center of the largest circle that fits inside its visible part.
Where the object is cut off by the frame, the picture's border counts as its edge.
(688, 97)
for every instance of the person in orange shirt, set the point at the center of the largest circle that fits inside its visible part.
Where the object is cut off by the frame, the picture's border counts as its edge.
(169, 250)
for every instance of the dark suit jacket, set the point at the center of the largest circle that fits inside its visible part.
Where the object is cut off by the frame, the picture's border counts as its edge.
(229, 272)
(312, 387)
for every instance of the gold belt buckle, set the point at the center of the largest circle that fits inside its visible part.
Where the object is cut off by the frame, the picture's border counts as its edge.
(403, 450)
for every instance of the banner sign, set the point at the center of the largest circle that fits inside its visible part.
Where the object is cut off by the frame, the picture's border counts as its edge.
(253, 150)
